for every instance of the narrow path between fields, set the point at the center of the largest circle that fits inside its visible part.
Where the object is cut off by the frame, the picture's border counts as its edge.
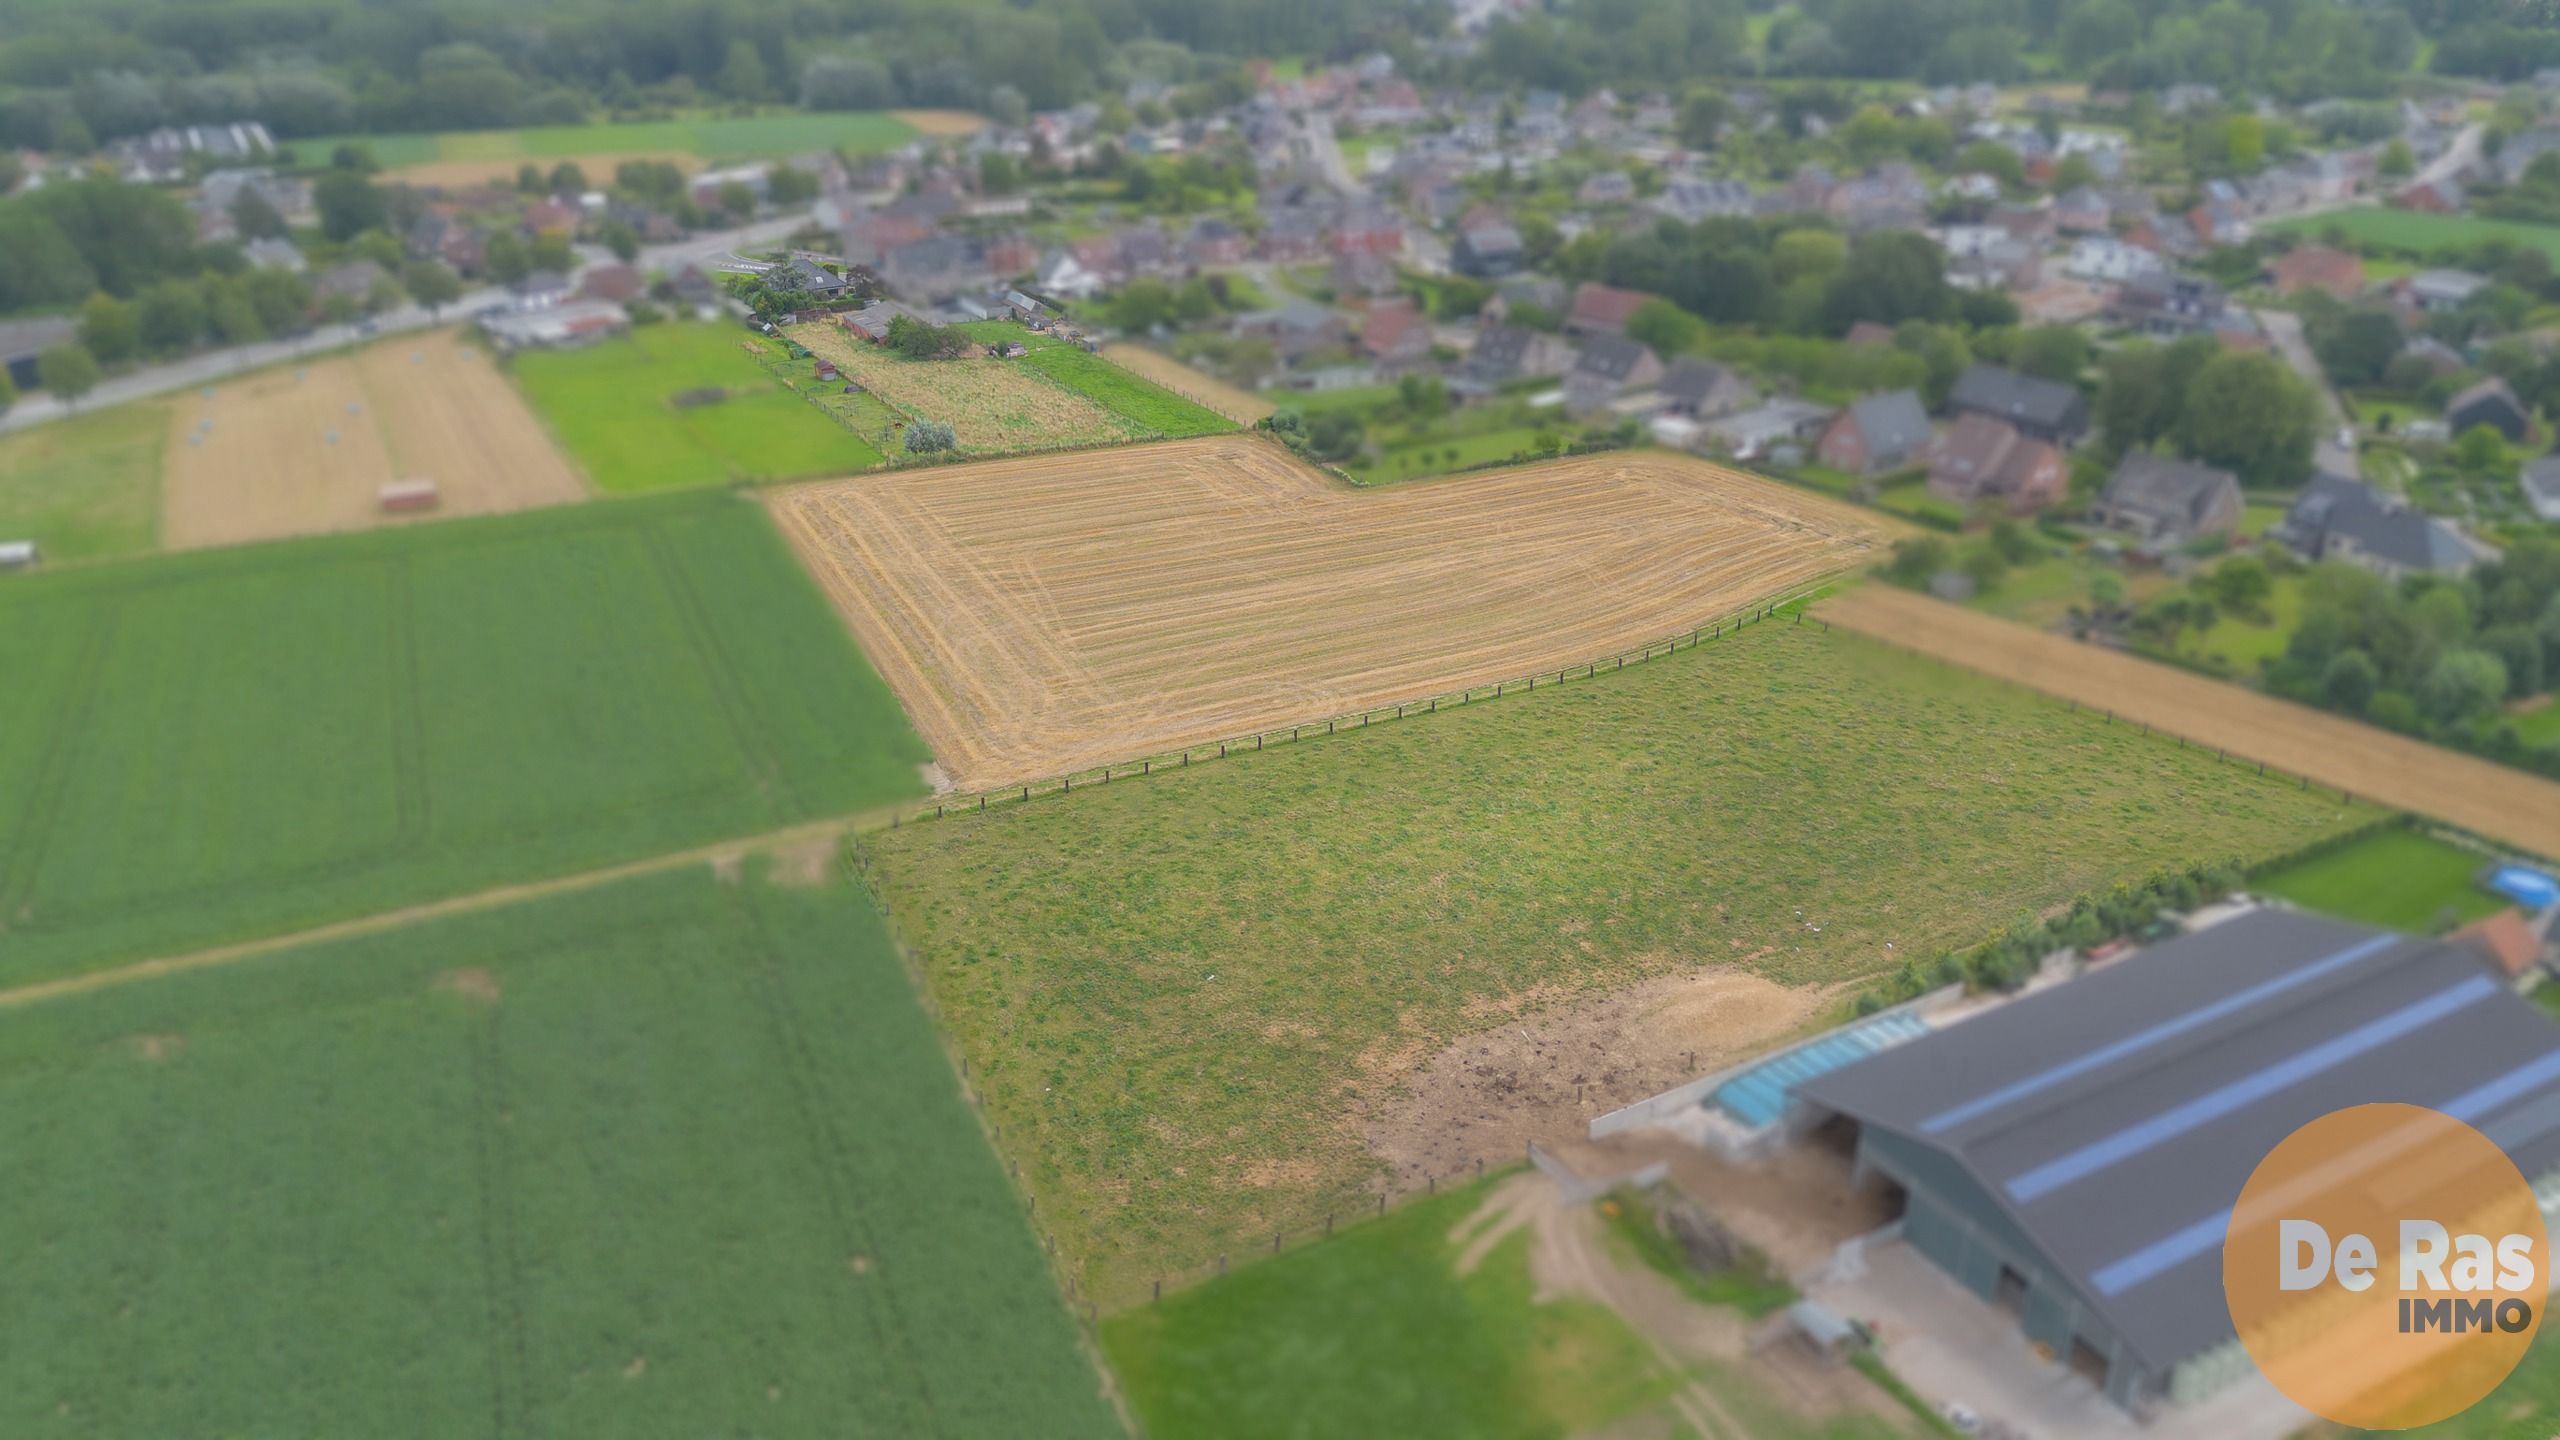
(2370, 763)
(784, 841)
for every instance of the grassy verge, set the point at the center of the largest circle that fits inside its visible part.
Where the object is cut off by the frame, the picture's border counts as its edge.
(2397, 877)
(218, 745)
(1179, 992)
(88, 487)
(636, 1162)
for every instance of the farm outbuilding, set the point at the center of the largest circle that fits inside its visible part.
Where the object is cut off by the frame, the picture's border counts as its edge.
(18, 554)
(2071, 1157)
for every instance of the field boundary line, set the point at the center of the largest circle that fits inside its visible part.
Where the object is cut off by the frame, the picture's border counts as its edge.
(2498, 802)
(213, 957)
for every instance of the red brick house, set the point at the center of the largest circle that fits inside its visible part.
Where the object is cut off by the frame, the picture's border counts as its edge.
(2317, 267)
(1982, 458)
(1602, 309)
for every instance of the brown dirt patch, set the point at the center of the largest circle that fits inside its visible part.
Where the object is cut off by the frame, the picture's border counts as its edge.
(942, 123)
(1242, 406)
(466, 174)
(806, 863)
(1045, 615)
(418, 406)
(157, 1049)
(472, 983)
(1544, 1073)
(2368, 763)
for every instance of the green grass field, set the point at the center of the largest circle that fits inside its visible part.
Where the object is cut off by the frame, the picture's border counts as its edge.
(2418, 232)
(712, 138)
(1142, 402)
(203, 747)
(609, 407)
(1172, 985)
(670, 1158)
(88, 487)
(1374, 1332)
(2396, 878)
(2539, 726)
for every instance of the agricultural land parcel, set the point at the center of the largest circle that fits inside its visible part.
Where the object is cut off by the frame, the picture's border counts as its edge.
(1191, 998)
(1056, 395)
(2488, 799)
(613, 407)
(204, 747)
(669, 1158)
(305, 449)
(1042, 615)
(1242, 406)
(2418, 232)
(464, 156)
(85, 488)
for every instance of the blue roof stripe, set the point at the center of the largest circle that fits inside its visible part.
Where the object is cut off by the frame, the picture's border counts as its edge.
(2166, 1030)
(2248, 1090)
(2184, 1244)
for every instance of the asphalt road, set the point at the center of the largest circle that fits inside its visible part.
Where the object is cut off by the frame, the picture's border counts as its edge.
(2284, 330)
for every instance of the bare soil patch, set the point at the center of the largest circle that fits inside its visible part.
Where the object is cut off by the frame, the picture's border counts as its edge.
(2366, 762)
(305, 449)
(943, 122)
(1242, 406)
(465, 174)
(472, 983)
(1545, 1073)
(1043, 615)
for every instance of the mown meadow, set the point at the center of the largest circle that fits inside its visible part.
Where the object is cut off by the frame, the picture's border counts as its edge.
(670, 1158)
(1180, 993)
(233, 743)
(612, 407)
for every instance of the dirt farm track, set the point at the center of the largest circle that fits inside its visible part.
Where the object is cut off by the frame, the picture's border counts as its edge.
(1044, 615)
(418, 406)
(2369, 763)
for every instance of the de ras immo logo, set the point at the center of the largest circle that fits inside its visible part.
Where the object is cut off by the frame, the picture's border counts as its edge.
(2386, 1266)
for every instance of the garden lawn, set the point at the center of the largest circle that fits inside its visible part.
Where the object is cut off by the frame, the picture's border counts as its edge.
(669, 1158)
(2398, 878)
(2539, 725)
(2418, 232)
(612, 408)
(233, 743)
(1179, 993)
(2244, 644)
(87, 487)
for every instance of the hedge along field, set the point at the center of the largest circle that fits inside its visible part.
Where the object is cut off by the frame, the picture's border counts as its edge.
(1182, 993)
(667, 1158)
(612, 408)
(242, 742)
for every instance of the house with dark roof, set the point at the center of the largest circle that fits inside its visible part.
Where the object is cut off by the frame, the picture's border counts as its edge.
(2166, 503)
(1981, 459)
(1504, 353)
(1602, 309)
(2541, 485)
(1609, 366)
(2488, 403)
(22, 341)
(2070, 1157)
(2336, 518)
(2156, 302)
(1487, 249)
(2041, 409)
(1703, 389)
(1880, 433)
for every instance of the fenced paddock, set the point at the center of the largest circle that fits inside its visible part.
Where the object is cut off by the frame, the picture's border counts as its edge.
(1040, 616)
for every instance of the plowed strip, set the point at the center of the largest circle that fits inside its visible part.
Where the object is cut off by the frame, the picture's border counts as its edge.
(1043, 615)
(2370, 763)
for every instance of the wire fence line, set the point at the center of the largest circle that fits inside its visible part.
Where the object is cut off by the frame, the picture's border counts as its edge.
(980, 801)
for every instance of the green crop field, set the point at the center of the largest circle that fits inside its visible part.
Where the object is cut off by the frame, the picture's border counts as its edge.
(713, 138)
(2419, 233)
(2399, 878)
(669, 1158)
(87, 487)
(203, 747)
(1179, 991)
(611, 407)
(1142, 402)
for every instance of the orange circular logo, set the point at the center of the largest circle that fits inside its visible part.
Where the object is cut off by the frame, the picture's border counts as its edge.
(2386, 1266)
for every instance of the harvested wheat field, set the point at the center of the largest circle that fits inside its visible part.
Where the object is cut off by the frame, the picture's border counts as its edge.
(501, 170)
(2367, 762)
(1044, 615)
(304, 449)
(995, 405)
(1242, 406)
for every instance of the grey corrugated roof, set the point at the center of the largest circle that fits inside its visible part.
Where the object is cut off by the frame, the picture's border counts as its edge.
(2116, 1117)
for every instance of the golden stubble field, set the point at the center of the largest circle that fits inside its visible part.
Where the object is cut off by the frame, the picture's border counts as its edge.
(1044, 615)
(418, 406)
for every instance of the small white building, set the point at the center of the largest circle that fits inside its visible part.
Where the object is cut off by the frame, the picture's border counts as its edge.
(18, 554)
(2109, 260)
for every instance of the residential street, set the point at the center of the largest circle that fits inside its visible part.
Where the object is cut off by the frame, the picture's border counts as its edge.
(215, 365)
(2284, 329)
